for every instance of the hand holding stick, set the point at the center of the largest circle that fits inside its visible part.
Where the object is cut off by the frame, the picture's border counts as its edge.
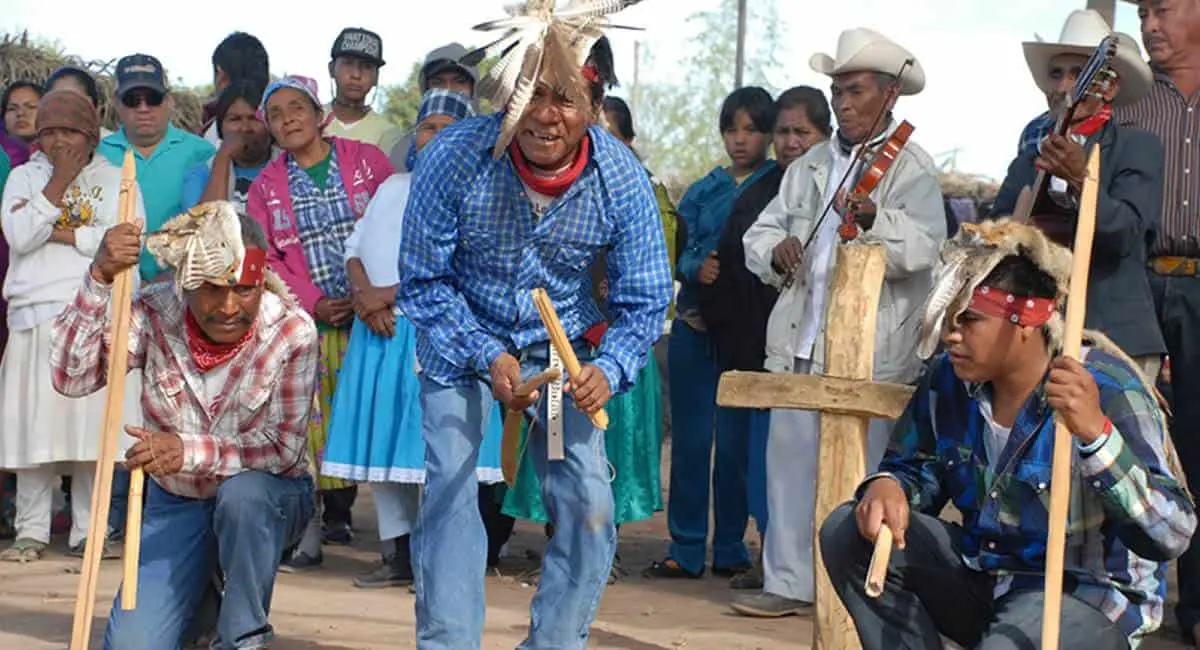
(877, 571)
(562, 345)
(510, 441)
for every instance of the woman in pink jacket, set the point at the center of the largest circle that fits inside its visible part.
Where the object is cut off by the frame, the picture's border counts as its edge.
(307, 201)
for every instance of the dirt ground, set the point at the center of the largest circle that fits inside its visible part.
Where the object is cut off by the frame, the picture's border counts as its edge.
(322, 611)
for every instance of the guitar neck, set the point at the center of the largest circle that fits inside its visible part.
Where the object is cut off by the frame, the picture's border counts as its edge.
(1024, 210)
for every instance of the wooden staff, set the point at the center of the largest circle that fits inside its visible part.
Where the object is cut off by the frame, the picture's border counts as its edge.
(558, 338)
(510, 441)
(1060, 473)
(118, 366)
(877, 572)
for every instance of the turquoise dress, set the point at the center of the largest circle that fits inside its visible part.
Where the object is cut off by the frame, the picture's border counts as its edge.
(633, 443)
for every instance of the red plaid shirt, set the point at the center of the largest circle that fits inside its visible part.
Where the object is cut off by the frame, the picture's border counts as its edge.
(257, 422)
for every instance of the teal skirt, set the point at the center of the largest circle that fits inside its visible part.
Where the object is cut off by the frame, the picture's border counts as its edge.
(633, 443)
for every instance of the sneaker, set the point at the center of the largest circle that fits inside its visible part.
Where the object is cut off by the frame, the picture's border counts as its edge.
(751, 580)
(764, 605)
(390, 573)
(300, 562)
(111, 551)
(338, 535)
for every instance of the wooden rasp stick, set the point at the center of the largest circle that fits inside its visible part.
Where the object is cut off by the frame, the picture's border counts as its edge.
(510, 441)
(558, 338)
(118, 366)
(877, 571)
(1060, 472)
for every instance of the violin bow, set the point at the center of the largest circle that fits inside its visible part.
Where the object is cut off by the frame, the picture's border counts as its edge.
(858, 158)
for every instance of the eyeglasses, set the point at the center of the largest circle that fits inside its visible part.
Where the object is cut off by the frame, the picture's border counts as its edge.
(151, 98)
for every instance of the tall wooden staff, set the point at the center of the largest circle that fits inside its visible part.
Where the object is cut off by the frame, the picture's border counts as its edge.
(118, 366)
(1060, 473)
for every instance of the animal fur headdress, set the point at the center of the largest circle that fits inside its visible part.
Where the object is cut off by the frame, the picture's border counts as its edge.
(542, 44)
(971, 255)
(205, 244)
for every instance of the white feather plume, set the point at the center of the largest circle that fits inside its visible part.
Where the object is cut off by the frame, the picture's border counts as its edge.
(539, 41)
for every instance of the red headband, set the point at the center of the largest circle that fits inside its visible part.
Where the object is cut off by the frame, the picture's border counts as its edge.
(253, 267)
(1019, 310)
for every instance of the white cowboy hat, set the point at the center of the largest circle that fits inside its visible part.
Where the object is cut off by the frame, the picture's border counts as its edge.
(863, 50)
(1081, 33)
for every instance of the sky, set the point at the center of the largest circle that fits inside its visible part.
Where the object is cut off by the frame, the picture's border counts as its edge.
(978, 94)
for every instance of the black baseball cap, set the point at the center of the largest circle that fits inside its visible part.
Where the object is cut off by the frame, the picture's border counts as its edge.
(359, 42)
(140, 71)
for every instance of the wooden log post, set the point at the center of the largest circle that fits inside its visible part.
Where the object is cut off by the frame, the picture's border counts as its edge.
(841, 465)
(847, 400)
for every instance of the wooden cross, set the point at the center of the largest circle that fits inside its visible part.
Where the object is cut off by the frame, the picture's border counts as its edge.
(847, 400)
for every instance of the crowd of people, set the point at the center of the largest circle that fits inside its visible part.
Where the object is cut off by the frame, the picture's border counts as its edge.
(325, 301)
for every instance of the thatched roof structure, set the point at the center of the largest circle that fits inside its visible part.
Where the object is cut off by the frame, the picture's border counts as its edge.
(24, 60)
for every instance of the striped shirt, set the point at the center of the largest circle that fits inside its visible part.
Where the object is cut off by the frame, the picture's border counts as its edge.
(1128, 515)
(1175, 119)
(471, 252)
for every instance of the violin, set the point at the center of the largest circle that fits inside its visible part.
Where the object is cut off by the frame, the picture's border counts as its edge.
(873, 173)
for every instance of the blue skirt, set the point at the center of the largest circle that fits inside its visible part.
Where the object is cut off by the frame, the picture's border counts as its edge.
(375, 422)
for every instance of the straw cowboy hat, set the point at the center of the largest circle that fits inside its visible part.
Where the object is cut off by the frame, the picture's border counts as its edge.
(863, 50)
(1082, 32)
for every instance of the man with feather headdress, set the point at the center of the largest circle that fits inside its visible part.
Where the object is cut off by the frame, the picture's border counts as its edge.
(501, 205)
(979, 432)
(232, 365)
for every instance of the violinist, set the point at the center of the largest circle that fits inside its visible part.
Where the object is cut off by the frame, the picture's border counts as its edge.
(1130, 193)
(904, 213)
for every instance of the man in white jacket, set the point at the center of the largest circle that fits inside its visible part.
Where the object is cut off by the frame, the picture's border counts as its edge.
(905, 214)
(56, 208)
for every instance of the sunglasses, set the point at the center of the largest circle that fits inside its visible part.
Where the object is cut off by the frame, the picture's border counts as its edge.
(135, 99)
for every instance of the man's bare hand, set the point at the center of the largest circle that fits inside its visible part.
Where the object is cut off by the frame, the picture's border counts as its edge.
(883, 503)
(506, 377)
(592, 391)
(787, 255)
(119, 250)
(157, 453)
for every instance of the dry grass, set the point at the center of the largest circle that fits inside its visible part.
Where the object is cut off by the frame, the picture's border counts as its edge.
(22, 59)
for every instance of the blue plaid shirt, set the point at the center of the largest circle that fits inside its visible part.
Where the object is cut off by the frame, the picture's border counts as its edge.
(472, 251)
(1034, 132)
(324, 219)
(1128, 514)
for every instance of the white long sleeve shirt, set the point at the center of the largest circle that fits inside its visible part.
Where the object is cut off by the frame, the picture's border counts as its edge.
(43, 276)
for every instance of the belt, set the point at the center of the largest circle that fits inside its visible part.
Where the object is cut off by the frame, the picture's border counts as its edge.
(1188, 267)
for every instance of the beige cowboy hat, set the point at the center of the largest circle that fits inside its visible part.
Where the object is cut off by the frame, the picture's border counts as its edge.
(864, 50)
(1081, 33)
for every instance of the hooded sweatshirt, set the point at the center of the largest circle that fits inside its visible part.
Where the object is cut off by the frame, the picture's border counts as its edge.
(43, 276)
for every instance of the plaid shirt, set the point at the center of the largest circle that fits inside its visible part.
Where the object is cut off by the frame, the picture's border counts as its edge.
(257, 422)
(1034, 132)
(472, 250)
(324, 220)
(1128, 514)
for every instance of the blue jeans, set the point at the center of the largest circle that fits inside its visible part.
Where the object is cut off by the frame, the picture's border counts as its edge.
(450, 544)
(697, 423)
(242, 532)
(119, 504)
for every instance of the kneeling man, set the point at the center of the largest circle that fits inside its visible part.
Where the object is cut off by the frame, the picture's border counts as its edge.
(979, 432)
(232, 365)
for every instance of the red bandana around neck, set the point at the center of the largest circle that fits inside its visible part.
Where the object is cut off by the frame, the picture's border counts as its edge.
(1092, 125)
(1019, 310)
(205, 353)
(554, 185)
